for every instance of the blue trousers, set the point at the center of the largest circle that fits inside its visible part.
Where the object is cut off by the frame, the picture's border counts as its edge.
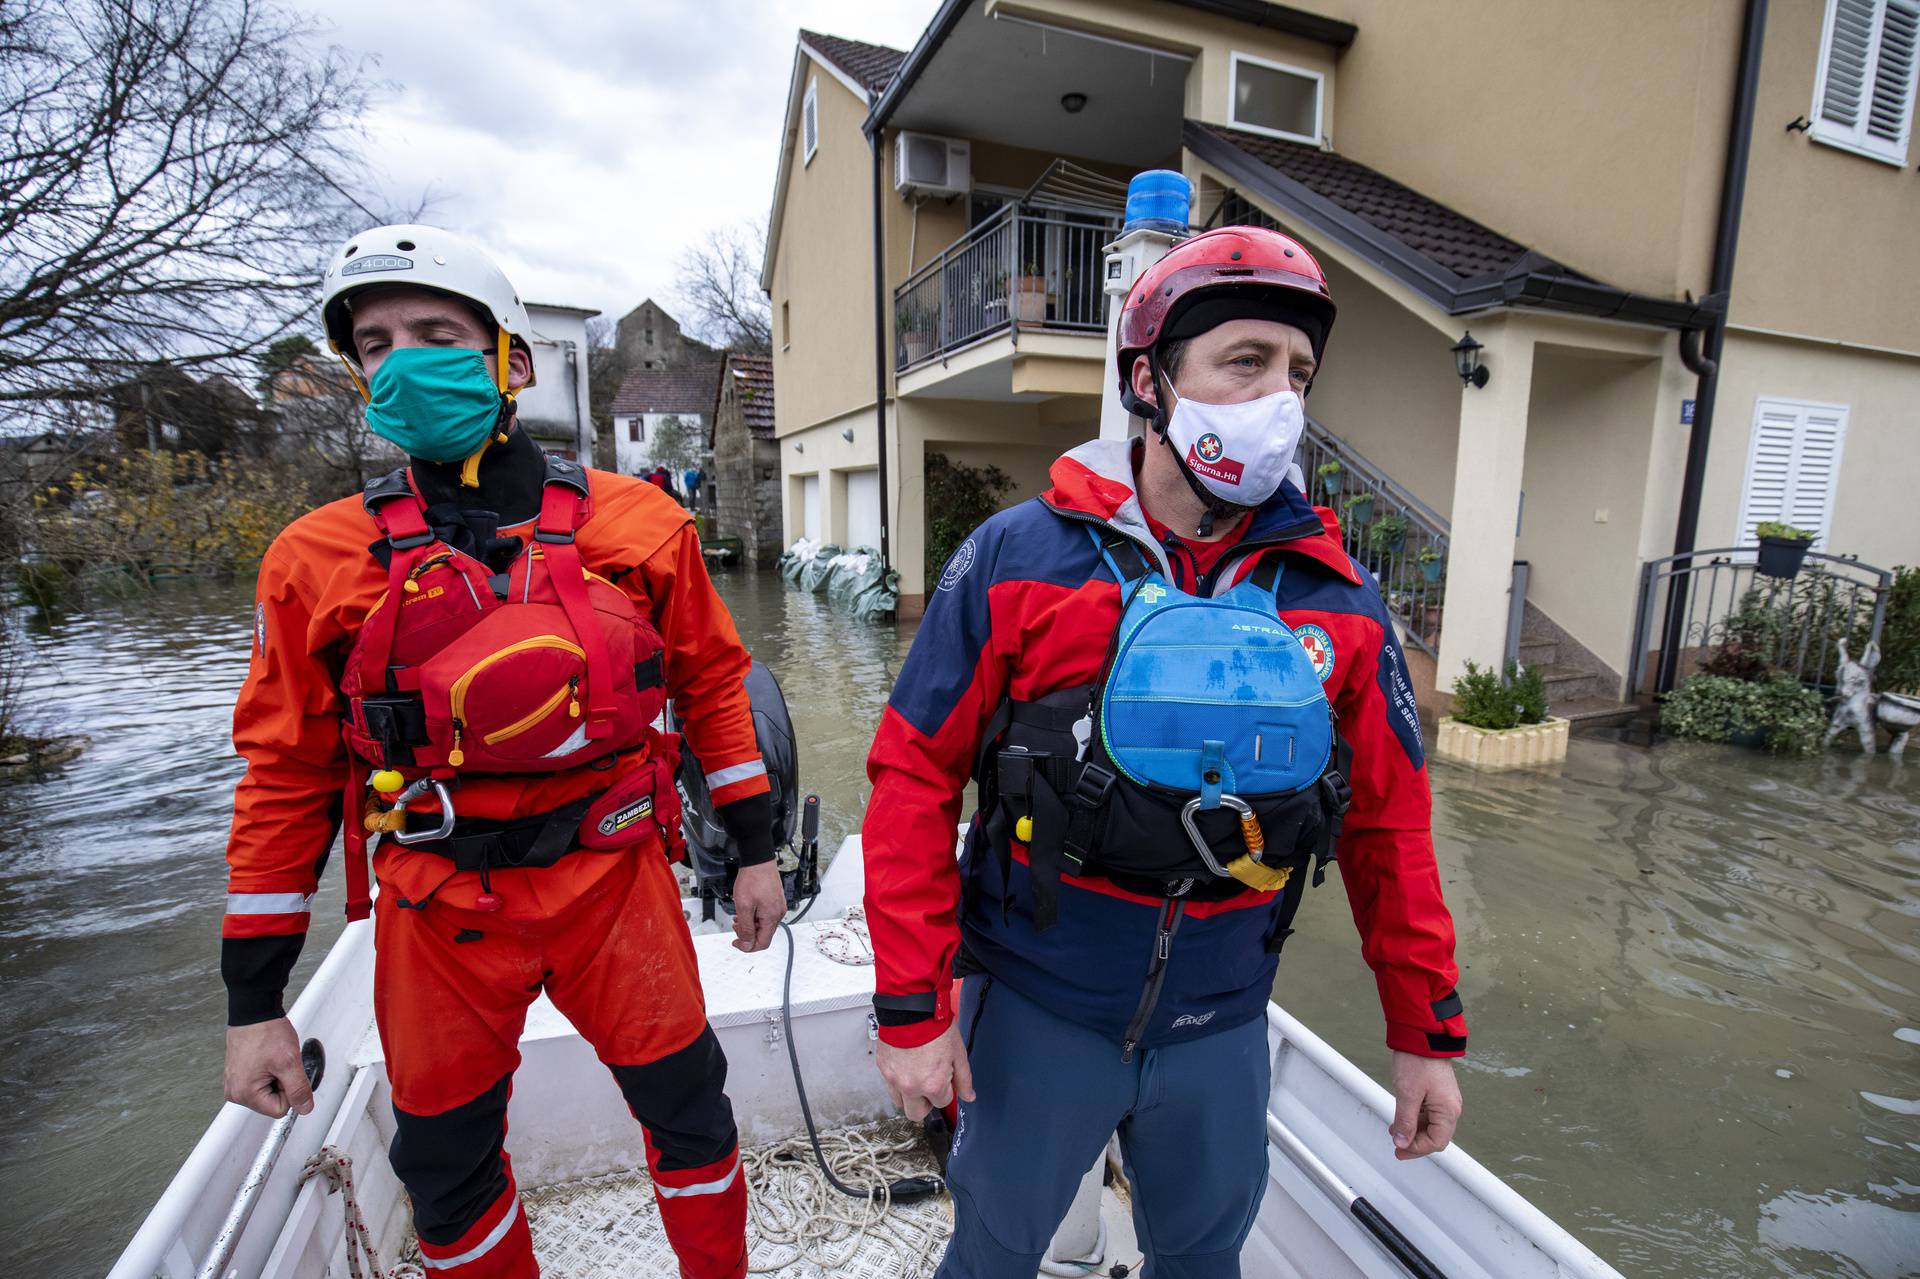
(1191, 1119)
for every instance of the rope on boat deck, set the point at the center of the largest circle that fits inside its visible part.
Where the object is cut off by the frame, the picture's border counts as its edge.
(793, 1206)
(335, 1166)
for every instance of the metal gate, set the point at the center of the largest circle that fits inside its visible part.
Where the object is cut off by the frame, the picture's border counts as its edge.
(1796, 624)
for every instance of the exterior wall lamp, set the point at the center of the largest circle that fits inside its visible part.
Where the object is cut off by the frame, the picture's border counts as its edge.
(1466, 361)
(847, 435)
(1073, 103)
(799, 447)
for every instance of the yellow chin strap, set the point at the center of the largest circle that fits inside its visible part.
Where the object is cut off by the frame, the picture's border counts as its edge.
(470, 469)
(353, 374)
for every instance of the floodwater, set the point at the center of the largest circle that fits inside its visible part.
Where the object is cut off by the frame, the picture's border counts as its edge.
(1691, 972)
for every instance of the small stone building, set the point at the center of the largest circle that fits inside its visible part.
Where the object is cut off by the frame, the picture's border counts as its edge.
(746, 458)
(648, 338)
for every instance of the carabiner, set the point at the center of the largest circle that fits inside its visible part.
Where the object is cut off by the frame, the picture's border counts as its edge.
(444, 829)
(1234, 802)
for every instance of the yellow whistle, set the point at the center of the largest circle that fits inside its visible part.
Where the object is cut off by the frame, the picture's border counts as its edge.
(388, 780)
(1023, 830)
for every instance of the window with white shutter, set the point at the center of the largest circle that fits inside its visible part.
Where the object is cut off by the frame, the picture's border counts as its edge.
(810, 123)
(1863, 96)
(1792, 467)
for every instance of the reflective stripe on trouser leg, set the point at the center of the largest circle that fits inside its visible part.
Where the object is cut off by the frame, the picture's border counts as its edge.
(693, 1154)
(466, 1207)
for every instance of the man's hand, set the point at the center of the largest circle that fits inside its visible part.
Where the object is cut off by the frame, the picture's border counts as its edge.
(1426, 1105)
(263, 1069)
(926, 1078)
(759, 904)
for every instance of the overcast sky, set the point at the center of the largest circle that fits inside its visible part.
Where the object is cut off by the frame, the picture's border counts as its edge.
(588, 144)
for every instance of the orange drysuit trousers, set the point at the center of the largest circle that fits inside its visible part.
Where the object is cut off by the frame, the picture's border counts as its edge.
(451, 989)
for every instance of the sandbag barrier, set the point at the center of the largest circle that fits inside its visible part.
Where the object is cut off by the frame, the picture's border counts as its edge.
(852, 580)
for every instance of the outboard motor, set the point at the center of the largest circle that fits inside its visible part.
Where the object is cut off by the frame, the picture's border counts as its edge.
(711, 852)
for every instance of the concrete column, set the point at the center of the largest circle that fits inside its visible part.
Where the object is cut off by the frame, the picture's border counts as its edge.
(908, 458)
(1486, 503)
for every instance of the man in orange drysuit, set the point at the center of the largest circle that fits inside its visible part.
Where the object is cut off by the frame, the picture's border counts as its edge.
(460, 954)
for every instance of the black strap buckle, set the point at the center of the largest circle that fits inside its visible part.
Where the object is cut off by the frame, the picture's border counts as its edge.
(1338, 794)
(544, 535)
(408, 543)
(1093, 786)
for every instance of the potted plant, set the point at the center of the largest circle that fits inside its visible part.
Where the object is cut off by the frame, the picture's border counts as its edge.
(916, 332)
(1432, 563)
(1501, 720)
(1031, 299)
(1388, 535)
(1783, 548)
(994, 309)
(1359, 509)
(1776, 713)
(1329, 473)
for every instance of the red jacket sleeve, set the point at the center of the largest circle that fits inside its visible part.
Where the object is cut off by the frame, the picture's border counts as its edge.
(1386, 856)
(920, 764)
(286, 724)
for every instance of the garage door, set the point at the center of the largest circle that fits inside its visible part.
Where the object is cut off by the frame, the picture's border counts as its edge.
(863, 508)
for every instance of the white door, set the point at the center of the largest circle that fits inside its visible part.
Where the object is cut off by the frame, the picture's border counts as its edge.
(863, 509)
(1793, 465)
(810, 507)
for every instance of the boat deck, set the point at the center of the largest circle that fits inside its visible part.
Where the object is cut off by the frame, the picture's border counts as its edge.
(798, 1227)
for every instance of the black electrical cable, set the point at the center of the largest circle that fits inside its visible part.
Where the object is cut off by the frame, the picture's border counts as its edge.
(907, 1189)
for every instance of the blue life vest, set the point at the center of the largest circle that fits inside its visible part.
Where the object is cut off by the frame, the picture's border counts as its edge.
(1208, 711)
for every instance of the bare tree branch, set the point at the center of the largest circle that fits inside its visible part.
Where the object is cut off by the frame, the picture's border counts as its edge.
(173, 174)
(719, 284)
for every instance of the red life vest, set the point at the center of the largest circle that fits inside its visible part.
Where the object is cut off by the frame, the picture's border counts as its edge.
(540, 669)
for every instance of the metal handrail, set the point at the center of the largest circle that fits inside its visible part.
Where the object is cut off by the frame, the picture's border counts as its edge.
(1417, 511)
(969, 291)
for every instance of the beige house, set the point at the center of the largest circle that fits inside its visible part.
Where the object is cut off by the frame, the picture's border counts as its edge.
(1547, 178)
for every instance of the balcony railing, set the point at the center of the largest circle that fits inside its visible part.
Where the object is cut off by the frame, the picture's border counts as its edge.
(1396, 535)
(1022, 268)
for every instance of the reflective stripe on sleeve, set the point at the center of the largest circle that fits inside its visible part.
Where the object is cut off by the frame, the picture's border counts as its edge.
(700, 1188)
(480, 1249)
(268, 903)
(736, 773)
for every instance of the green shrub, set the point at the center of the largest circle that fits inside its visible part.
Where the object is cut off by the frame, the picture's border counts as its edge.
(1788, 717)
(1483, 699)
(1746, 639)
(1774, 528)
(959, 500)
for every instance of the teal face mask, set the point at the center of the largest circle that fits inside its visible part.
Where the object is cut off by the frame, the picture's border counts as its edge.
(436, 402)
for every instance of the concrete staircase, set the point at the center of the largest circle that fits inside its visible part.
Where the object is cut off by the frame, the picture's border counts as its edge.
(1580, 687)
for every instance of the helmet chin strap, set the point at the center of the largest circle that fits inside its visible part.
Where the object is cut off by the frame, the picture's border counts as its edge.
(470, 469)
(1213, 506)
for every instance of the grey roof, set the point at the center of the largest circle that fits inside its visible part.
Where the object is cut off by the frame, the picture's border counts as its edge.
(1458, 263)
(684, 390)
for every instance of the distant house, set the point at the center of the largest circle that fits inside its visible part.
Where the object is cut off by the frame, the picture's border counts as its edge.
(746, 458)
(555, 410)
(648, 338)
(647, 398)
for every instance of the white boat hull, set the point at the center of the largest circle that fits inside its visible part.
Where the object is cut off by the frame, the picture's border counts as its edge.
(567, 1121)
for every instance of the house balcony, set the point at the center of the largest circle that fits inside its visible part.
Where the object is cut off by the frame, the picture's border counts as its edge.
(1024, 272)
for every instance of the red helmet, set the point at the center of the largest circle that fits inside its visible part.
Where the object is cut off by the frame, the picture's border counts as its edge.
(1249, 265)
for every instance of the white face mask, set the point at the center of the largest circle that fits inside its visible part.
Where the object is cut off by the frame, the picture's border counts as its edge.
(1240, 452)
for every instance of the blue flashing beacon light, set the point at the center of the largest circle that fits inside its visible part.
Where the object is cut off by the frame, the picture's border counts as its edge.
(1158, 200)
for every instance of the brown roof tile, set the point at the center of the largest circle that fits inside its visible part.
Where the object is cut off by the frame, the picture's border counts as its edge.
(753, 374)
(688, 390)
(869, 64)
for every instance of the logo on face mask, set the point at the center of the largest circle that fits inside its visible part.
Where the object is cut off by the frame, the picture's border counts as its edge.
(1208, 457)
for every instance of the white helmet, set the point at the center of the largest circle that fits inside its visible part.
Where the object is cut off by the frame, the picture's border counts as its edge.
(426, 257)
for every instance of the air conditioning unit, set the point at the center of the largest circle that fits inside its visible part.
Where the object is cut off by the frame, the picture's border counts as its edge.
(926, 165)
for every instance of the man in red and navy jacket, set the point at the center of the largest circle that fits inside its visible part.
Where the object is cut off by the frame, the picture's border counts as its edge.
(1131, 1011)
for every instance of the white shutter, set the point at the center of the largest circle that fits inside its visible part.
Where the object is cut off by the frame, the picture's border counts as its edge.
(1792, 467)
(810, 123)
(1864, 93)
